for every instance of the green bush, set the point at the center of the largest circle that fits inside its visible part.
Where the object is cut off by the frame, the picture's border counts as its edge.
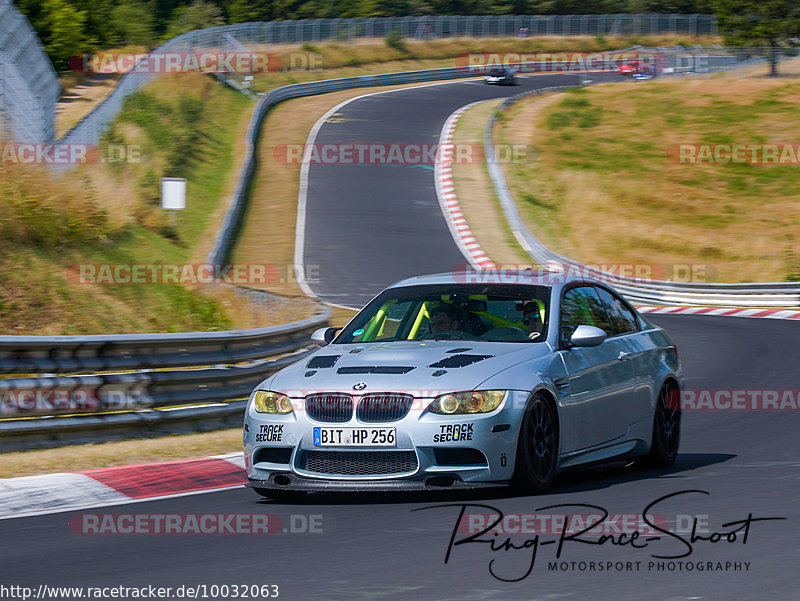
(170, 126)
(559, 119)
(395, 41)
(575, 102)
(590, 118)
(583, 114)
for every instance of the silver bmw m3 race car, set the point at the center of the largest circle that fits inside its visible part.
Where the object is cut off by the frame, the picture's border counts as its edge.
(466, 380)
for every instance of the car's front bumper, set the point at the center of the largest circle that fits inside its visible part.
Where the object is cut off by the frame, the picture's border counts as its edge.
(287, 481)
(483, 453)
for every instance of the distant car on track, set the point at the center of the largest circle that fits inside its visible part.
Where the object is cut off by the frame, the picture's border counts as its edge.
(501, 76)
(631, 67)
(460, 380)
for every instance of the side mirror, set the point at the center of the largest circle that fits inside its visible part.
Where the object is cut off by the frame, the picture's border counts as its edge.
(323, 336)
(587, 336)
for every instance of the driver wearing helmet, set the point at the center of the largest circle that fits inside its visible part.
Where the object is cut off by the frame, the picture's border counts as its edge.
(532, 318)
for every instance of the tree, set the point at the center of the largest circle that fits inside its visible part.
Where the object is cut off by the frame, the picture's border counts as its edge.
(64, 36)
(769, 23)
(197, 15)
(133, 23)
(98, 20)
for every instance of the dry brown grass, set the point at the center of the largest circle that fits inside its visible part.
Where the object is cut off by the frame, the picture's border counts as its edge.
(610, 194)
(37, 295)
(83, 457)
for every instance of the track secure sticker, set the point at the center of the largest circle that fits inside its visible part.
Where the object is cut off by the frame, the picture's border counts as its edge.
(270, 433)
(453, 433)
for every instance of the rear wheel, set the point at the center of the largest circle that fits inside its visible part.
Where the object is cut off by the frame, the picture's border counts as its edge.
(666, 427)
(537, 448)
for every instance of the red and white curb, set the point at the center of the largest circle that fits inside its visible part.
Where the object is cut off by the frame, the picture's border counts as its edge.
(445, 192)
(100, 487)
(761, 313)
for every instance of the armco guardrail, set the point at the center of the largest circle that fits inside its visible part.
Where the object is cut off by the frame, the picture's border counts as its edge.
(111, 384)
(29, 87)
(76, 354)
(764, 294)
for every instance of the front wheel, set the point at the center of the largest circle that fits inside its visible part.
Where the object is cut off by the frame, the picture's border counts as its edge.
(666, 428)
(537, 448)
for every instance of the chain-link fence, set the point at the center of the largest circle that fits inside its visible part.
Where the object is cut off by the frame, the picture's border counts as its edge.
(316, 30)
(29, 87)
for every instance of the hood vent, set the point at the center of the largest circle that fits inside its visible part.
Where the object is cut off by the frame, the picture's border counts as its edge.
(459, 361)
(322, 361)
(374, 369)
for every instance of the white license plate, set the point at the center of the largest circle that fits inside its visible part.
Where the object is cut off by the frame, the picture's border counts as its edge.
(354, 437)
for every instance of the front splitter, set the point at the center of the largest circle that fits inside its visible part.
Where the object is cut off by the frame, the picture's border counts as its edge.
(292, 482)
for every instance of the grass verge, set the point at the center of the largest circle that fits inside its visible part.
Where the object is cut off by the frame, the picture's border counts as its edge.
(476, 194)
(608, 185)
(107, 214)
(84, 457)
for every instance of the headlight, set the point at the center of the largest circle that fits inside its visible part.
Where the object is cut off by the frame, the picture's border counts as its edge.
(479, 401)
(272, 402)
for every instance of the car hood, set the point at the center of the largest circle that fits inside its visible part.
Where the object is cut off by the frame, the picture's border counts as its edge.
(402, 366)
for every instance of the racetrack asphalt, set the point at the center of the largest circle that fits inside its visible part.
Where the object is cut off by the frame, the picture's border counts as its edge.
(368, 226)
(379, 548)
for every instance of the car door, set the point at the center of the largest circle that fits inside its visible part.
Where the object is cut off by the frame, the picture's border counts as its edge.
(599, 378)
(639, 348)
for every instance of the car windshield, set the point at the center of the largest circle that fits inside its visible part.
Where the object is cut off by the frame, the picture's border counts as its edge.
(495, 313)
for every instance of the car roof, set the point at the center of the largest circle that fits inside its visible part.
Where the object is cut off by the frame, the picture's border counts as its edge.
(496, 276)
